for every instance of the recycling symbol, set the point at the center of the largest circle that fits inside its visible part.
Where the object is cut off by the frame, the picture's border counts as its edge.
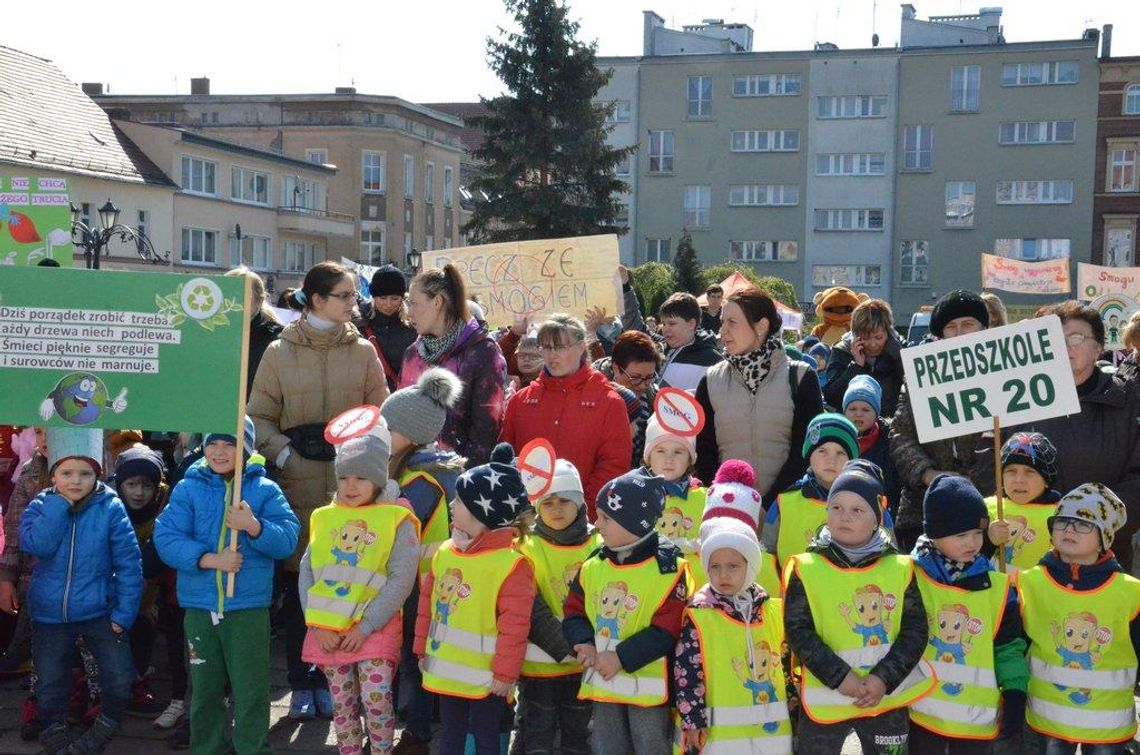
(201, 298)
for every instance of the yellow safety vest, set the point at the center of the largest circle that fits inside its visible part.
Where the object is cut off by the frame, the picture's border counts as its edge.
(680, 521)
(963, 625)
(800, 517)
(462, 635)
(437, 528)
(620, 602)
(856, 614)
(1081, 663)
(349, 548)
(746, 708)
(555, 567)
(1029, 530)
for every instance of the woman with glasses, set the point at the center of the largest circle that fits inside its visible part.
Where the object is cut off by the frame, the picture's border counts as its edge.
(634, 365)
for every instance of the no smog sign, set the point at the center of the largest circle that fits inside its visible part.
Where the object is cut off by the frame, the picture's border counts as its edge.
(678, 412)
(536, 467)
(351, 424)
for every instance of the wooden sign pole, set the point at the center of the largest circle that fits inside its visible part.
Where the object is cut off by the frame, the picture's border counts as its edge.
(998, 490)
(239, 467)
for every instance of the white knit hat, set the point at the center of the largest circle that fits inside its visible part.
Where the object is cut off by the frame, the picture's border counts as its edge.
(1095, 503)
(728, 532)
(655, 434)
(567, 483)
(733, 494)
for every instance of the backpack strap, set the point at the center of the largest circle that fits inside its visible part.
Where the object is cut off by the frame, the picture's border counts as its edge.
(795, 375)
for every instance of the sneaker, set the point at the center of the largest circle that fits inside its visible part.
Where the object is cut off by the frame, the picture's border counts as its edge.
(174, 714)
(410, 745)
(143, 704)
(95, 739)
(56, 739)
(179, 739)
(302, 707)
(324, 700)
(30, 721)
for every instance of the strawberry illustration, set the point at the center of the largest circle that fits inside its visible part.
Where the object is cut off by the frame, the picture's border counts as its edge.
(22, 229)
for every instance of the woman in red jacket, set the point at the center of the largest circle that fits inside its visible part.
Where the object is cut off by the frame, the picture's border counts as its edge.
(574, 407)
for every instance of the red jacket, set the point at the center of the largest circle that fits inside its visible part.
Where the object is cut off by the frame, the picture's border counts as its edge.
(583, 418)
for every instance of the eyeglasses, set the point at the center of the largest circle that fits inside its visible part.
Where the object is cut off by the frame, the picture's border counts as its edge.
(547, 351)
(344, 296)
(527, 356)
(1076, 339)
(635, 379)
(1079, 526)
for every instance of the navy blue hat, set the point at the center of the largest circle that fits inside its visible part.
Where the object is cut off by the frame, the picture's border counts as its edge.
(864, 479)
(953, 505)
(139, 461)
(635, 501)
(494, 492)
(248, 439)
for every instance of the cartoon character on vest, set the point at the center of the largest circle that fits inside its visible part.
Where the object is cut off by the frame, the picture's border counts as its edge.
(948, 637)
(1076, 641)
(613, 603)
(349, 543)
(756, 675)
(452, 589)
(874, 615)
(1020, 535)
(673, 524)
(560, 585)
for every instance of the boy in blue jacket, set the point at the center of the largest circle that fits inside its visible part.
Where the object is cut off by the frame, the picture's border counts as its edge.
(227, 638)
(87, 582)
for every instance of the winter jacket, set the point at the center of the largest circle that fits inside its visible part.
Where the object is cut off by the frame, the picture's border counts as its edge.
(87, 559)
(310, 376)
(582, 417)
(193, 524)
(645, 411)
(880, 454)
(262, 332)
(15, 565)
(887, 369)
(444, 467)
(631, 317)
(390, 336)
(473, 424)
(685, 365)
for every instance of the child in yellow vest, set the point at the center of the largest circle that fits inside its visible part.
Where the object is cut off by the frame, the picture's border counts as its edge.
(475, 605)
(356, 573)
(671, 457)
(976, 645)
(548, 690)
(728, 672)
(733, 495)
(854, 620)
(623, 619)
(1028, 473)
(1080, 611)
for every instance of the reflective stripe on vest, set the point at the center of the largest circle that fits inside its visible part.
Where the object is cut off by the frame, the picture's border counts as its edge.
(781, 745)
(1074, 677)
(341, 573)
(436, 666)
(747, 715)
(1118, 718)
(555, 567)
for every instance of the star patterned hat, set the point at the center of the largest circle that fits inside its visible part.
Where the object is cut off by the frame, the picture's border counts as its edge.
(494, 492)
(635, 501)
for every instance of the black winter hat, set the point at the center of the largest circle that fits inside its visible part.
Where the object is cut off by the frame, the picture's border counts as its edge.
(1033, 450)
(388, 281)
(953, 505)
(957, 304)
(864, 479)
(139, 461)
(634, 500)
(494, 492)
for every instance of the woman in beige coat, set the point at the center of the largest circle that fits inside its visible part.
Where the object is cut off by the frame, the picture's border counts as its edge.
(318, 368)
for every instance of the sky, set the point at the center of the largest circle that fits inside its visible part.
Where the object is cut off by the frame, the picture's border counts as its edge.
(435, 50)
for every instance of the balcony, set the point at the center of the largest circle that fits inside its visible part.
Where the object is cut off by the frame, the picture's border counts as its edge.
(315, 222)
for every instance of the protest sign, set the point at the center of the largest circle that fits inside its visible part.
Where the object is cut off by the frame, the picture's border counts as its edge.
(1018, 276)
(35, 220)
(1114, 310)
(678, 412)
(538, 277)
(536, 467)
(112, 349)
(1097, 280)
(352, 423)
(363, 272)
(1017, 373)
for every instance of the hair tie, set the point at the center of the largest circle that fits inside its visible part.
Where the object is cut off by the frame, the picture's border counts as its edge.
(299, 295)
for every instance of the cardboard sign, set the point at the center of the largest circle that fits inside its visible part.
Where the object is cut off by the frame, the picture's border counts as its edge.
(353, 423)
(536, 467)
(1097, 280)
(1018, 276)
(678, 412)
(538, 277)
(1114, 309)
(35, 220)
(1018, 373)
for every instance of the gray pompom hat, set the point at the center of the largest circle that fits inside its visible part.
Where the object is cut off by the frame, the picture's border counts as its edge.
(419, 411)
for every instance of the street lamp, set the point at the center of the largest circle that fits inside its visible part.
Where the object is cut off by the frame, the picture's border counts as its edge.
(93, 241)
(412, 259)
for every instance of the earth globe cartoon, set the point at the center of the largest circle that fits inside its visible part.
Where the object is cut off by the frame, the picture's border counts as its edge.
(79, 398)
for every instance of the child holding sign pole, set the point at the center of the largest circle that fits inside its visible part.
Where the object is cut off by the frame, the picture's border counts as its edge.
(1028, 473)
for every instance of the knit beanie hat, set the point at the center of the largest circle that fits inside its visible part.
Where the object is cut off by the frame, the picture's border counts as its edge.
(634, 500)
(248, 438)
(419, 411)
(655, 435)
(726, 532)
(831, 428)
(388, 281)
(1096, 503)
(733, 494)
(1033, 450)
(864, 479)
(820, 351)
(75, 443)
(567, 483)
(139, 461)
(953, 505)
(366, 457)
(866, 389)
(494, 492)
(957, 304)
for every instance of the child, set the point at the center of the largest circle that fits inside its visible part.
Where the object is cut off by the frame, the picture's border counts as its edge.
(86, 582)
(729, 676)
(976, 645)
(548, 691)
(356, 573)
(853, 617)
(821, 353)
(671, 457)
(475, 604)
(863, 405)
(623, 618)
(1028, 474)
(733, 495)
(227, 638)
(1080, 611)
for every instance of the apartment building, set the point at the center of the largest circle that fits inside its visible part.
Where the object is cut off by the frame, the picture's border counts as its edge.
(1116, 201)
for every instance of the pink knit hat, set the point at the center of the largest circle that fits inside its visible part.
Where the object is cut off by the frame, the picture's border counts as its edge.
(733, 494)
(655, 434)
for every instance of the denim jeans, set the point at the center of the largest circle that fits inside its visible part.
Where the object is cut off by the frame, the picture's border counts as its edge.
(53, 648)
(480, 717)
(1054, 746)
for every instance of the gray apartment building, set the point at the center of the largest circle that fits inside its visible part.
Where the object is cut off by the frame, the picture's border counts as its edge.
(887, 170)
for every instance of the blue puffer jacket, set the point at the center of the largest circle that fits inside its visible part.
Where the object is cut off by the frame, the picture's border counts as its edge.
(193, 524)
(87, 559)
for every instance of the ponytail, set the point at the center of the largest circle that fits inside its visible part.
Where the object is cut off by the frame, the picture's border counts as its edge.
(446, 282)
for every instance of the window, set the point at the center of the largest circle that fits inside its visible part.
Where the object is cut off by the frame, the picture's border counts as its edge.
(914, 263)
(848, 220)
(700, 96)
(429, 242)
(918, 147)
(372, 171)
(766, 85)
(621, 217)
(960, 204)
(372, 250)
(301, 194)
(298, 257)
(448, 185)
(252, 251)
(1132, 99)
(765, 141)
(409, 176)
(853, 106)
(623, 167)
(1032, 249)
(660, 151)
(1034, 192)
(199, 246)
(620, 112)
(198, 176)
(823, 276)
(965, 81)
(249, 185)
(1037, 132)
(429, 182)
(317, 156)
(760, 195)
(144, 229)
(697, 202)
(407, 243)
(657, 250)
(1122, 170)
(1037, 74)
(857, 164)
(1119, 241)
(763, 251)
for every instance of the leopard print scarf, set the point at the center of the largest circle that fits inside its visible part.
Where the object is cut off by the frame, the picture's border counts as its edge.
(753, 366)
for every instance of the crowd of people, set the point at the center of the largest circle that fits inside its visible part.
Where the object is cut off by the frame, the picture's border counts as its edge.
(802, 568)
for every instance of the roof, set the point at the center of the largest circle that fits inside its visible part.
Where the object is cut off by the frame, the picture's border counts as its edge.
(470, 136)
(196, 137)
(47, 122)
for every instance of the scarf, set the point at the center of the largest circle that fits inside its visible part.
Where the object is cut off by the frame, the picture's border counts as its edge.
(876, 545)
(868, 439)
(946, 571)
(434, 348)
(319, 323)
(754, 365)
(678, 488)
(575, 533)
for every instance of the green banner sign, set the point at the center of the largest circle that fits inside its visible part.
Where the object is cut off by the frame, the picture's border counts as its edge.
(152, 351)
(35, 220)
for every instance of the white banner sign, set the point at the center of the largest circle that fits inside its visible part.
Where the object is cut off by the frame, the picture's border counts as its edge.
(1018, 373)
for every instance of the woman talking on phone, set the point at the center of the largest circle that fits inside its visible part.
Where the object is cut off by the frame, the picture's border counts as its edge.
(870, 348)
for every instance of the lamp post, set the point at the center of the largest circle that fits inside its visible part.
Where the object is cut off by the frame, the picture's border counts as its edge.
(238, 236)
(412, 263)
(93, 241)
